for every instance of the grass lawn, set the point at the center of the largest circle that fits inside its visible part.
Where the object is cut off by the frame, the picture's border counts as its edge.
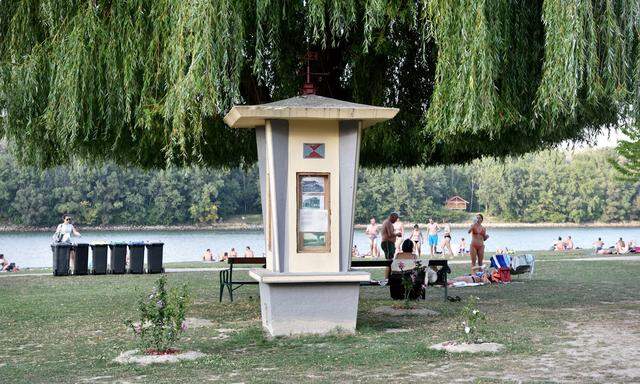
(576, 321)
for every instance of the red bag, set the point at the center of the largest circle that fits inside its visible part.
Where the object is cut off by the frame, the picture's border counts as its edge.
(505, 275)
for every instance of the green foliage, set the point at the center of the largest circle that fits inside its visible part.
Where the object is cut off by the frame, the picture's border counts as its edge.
(553, 186)
(550, 186)
(162, 317)
(108, 194)
(147, 82)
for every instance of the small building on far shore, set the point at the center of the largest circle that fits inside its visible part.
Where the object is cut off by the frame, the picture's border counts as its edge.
(456, 203)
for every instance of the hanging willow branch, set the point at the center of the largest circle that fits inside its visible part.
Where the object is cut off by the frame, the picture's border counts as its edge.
(146, 82)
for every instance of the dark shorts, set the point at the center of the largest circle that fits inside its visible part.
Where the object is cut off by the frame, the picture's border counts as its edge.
(389, 249)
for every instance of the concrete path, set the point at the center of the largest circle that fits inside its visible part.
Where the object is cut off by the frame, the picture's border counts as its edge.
(460, 261)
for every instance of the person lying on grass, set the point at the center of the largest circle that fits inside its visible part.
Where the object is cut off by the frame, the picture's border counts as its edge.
(6, 266)
(482, 277)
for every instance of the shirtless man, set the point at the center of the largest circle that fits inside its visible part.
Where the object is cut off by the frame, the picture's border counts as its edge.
(432, 230)
(599, 244)
(559, 245)
(478, 237)
(388, 242)
(372, 233)
(248, 252)
(568, 244)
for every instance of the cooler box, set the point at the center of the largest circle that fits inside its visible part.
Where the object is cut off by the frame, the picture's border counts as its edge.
(81, 266)
(154, 258)
(136, 257)
(117, 258)
(61, 259)
(98, 259)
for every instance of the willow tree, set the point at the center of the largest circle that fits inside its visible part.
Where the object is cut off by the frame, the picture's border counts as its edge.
(145, 82)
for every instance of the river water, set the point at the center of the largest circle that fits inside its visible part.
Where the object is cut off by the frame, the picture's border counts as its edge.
(32, 249)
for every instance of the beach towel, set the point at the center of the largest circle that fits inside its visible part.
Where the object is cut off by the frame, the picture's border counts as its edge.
(500, 261)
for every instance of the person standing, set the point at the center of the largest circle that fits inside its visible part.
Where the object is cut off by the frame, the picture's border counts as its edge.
(389, 236)
(416, 237)
(432, 229)
(64, 232)
(478, 237)
(248, 252)
(398, 228)
(446, 241)
(372, 233)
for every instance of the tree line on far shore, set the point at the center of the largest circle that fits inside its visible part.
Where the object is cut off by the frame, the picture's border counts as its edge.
(549, 186)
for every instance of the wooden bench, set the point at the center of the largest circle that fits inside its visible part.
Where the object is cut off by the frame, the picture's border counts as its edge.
(441, 265)
(226, 275)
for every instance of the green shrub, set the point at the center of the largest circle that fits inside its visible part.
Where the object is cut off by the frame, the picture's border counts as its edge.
(162, 317)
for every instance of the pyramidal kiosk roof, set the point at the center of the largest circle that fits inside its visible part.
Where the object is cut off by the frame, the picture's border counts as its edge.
(307, 107)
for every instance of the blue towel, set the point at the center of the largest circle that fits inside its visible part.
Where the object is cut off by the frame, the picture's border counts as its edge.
(501, 261)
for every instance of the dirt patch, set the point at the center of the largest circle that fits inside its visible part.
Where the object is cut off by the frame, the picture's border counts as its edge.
(135, 357)
(591, 349)
(390, 311)
(194, 322)
(455, 347)
(397, 330)
(600, 351)
(96, 378)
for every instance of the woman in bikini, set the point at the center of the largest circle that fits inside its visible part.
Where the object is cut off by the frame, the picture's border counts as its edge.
(478, 237)
(372, 233)
(446, 244)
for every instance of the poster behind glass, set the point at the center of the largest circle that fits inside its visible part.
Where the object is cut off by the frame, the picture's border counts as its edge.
(313, 223)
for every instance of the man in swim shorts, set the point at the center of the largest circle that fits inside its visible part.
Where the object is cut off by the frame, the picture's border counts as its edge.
(389, 235)
(432, 229)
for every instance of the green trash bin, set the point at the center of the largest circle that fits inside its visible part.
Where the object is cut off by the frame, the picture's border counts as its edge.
(81, 266)
(61, 258)
(118, 258)
(154, 258)
(98, 259)
(136, 257)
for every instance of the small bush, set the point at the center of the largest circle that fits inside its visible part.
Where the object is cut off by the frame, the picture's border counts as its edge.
(162, 317)
(472, 319)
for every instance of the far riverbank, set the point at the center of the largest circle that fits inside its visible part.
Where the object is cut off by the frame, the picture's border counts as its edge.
(236, 226)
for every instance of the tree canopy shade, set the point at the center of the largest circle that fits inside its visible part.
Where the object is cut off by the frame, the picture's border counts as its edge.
(145, 82)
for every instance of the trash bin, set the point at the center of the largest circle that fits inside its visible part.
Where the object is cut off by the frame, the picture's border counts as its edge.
(136, 257)
(61, 258)
(98, 259)
(118, 257)
(154, 258)
(81, 266)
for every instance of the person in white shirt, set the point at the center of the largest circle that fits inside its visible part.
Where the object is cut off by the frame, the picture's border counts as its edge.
(64, 232)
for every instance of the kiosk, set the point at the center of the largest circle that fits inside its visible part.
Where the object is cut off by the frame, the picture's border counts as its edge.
(308, 149)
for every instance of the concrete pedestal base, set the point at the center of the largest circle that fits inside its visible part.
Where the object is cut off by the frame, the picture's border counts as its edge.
(309, 303)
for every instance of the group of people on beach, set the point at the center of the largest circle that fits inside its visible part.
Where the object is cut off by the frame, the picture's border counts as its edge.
(224, 256)
(394, 234)
(620, 247)
(393, 239)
